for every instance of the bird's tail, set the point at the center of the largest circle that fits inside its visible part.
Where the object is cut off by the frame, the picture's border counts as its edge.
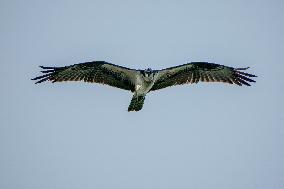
(136, 103)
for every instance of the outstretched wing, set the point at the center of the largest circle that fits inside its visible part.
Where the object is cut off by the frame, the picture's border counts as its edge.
(201, 71)
(94, 72)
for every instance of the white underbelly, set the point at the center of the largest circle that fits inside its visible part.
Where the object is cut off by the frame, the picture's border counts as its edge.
(141, 86)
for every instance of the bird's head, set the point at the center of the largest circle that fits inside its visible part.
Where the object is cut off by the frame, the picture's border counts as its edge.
(148, 71)
(148, 74)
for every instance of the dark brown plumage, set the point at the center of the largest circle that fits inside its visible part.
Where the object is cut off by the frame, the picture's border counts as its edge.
(140, 82)
(201, 71)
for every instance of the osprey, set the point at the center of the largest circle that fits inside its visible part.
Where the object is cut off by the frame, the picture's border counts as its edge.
(140, 82)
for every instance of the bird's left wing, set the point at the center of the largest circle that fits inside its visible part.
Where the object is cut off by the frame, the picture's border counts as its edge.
(201, 71)
(94, 72)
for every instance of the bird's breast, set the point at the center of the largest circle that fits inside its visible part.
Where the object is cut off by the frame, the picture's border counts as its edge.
(143, 85)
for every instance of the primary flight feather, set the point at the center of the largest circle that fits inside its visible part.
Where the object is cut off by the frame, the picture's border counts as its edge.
(140, 82)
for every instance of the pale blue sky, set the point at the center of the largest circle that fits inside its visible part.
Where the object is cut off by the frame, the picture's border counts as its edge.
(78, 135)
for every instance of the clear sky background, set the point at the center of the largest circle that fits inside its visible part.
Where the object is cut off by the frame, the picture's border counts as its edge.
(80, 135)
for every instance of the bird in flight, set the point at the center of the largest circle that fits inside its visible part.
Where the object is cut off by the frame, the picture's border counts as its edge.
(140, 82)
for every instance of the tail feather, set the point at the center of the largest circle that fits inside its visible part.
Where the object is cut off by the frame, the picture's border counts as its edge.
(136, 103)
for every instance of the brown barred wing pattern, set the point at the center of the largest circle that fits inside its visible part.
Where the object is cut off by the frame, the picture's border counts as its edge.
(94, 72)
(201, 71)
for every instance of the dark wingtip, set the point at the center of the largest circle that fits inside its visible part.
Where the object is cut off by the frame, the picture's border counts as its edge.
(243, 77)
(40, 79)
(246, 74)
(242, 68)
(44, 77)
(45, 67)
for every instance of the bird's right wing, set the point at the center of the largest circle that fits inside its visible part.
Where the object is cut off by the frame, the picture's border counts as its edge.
(201, 71)
(94, 72)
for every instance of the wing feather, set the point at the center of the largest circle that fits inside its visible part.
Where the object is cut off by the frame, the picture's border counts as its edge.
(201, 71)
(94, 72)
